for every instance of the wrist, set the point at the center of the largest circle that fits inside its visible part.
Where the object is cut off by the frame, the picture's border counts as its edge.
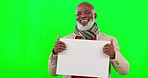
(54, 52)
(113, 57)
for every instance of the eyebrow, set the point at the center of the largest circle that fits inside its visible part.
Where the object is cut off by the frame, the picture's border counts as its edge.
(84, 11)
(87, 10)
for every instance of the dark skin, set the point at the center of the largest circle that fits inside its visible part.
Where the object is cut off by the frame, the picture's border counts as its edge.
(109, 49)
(59, 46)
(84, 15)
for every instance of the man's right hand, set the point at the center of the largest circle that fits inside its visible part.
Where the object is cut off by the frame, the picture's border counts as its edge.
(59, 46)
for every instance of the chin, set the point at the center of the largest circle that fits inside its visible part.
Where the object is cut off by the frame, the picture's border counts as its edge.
(86, 26)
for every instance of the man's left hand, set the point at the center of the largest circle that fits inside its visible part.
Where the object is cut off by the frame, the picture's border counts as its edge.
(109, 49)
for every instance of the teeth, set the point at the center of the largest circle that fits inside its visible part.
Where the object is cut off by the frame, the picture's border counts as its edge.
(84, 20)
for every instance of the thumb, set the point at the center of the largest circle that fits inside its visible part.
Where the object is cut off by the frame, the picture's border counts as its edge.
(58, 38)
(111, 41)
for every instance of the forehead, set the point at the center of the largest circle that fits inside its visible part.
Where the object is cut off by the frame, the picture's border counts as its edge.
(85, 7)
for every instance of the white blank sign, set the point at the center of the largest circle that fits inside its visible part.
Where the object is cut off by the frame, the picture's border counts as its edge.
(83, 58)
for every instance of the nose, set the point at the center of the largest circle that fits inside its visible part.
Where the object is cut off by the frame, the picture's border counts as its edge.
(83, 16)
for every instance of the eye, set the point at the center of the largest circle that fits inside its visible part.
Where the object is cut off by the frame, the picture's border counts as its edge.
(78, 14)
(88, 12)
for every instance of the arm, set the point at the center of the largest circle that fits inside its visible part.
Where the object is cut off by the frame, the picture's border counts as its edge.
(52, 64)
(120, 64)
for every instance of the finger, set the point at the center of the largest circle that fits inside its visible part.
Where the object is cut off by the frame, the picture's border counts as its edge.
(106, 51)
(60, 45)
(107, 45)
(63, 43)
(60, 42)
(59, 49)
(58, 38)
(111, 41)
(108, 48)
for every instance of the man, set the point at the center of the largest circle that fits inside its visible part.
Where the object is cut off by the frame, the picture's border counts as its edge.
(87, 29)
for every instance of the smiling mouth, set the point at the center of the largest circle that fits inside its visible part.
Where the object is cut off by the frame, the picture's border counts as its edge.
(84, 21)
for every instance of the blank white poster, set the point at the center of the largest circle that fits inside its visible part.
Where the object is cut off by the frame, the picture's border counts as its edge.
(83, 58)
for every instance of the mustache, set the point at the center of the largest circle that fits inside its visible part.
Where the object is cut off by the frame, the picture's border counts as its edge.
(85, 19)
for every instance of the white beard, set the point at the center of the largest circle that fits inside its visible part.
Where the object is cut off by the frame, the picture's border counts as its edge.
(85, 27)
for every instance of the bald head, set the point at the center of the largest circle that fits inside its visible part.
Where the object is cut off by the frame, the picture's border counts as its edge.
(85, 5)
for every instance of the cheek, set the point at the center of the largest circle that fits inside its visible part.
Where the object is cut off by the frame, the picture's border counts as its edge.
(77, 18)
(90, 16)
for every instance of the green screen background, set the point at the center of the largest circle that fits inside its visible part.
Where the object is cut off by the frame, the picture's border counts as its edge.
(29, 29)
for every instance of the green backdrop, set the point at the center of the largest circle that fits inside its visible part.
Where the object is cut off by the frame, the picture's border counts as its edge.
(29, 28)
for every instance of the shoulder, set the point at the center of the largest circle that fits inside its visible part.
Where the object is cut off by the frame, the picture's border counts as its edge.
(105, 36)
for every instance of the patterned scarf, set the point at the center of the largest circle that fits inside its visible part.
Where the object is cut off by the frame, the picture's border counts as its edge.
(88, 34)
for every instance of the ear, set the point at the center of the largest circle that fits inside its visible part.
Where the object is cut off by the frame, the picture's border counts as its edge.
(95, 15)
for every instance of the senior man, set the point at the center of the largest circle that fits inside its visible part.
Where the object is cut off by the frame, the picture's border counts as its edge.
(87, 29)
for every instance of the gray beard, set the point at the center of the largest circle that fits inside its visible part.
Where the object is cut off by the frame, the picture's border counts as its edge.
(85, 27)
